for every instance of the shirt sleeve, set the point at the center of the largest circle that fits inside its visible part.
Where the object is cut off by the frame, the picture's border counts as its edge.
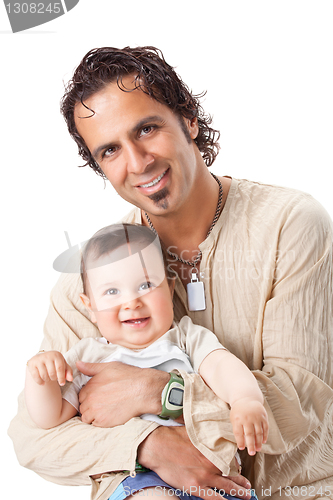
(53, 454)
(297, 333)
(297, 348)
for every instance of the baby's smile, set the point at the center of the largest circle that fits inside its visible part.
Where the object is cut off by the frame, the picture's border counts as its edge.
(137, 322)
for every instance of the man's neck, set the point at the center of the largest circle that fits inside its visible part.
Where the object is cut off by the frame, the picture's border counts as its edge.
(185, 229)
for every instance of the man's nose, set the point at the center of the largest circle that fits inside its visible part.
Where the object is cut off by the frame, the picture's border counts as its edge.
(138, 159)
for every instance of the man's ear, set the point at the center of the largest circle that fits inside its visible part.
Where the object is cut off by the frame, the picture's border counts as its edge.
(193, 127)
(87, 304)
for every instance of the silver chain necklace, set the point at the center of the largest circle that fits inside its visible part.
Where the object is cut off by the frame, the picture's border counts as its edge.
(195, 289)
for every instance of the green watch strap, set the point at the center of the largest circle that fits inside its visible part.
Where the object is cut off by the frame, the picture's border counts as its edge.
(172, 397)
(140, 468)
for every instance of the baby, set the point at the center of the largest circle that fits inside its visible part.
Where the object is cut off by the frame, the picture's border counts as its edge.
(128, 292)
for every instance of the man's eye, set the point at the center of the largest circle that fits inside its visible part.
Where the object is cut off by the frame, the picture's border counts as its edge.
(147, 129)
(112, 291)
(110, 151)
(146, 286)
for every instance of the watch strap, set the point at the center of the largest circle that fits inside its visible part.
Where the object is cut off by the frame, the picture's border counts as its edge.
(170, 410)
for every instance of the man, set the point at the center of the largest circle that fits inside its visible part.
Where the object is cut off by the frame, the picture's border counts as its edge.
(259, 260)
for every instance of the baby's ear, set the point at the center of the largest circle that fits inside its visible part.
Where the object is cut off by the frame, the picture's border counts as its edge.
(87, 304)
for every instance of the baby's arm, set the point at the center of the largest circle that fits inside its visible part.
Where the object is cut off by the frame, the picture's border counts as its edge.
(234, 383)
(45, 372)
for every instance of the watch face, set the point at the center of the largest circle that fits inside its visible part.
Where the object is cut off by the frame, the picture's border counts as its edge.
(176, 397)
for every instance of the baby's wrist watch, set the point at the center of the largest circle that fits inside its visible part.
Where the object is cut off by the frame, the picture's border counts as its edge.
(172, 397)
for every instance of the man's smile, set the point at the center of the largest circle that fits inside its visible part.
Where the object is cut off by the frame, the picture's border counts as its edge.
(155, 184)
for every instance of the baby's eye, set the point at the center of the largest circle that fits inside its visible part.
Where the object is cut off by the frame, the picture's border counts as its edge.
(146, 286)
(112, 291)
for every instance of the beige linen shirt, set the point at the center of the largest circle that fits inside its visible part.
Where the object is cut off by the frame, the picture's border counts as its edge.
(267, 269)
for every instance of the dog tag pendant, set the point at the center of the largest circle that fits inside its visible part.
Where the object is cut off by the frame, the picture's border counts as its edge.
(196, 294)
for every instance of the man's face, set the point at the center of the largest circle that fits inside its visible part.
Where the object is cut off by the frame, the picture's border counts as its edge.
(140, 146)
(130, 299)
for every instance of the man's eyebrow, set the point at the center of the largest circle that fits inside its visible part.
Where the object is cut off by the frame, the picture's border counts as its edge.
(147, 119)
(137, 126)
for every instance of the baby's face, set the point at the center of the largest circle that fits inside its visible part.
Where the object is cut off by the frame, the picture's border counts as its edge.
(130, 300)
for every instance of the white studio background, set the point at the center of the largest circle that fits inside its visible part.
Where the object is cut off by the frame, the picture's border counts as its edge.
(267, 69)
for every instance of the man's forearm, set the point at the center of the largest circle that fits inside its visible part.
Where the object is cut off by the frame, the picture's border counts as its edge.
(156, 381)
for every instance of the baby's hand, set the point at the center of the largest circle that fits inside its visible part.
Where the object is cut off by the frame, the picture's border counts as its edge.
(250, 424)
(50, 366)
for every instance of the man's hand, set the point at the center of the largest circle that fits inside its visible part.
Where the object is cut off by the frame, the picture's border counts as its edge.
(118, 392)
(169, 452)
